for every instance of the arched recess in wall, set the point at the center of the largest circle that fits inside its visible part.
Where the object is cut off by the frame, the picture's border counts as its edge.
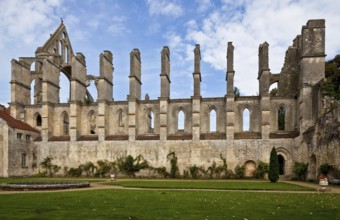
(120, 115)
(285, 161)
(281, 118)
(212, 120)
(150, 121)
(249, 168)
(64, 123)
(180, 120)
(37, 120)
(246, 120)
(92, 122)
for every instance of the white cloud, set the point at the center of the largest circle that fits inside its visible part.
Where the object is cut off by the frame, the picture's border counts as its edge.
(163, 7)
(248, 25)
(203, 5)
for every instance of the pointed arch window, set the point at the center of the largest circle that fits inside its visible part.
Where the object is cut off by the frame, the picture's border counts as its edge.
(151, 121)
(281, 115)
(212, 120)
(38, 120)
(246, 120)
(92, 122)
(181, 121)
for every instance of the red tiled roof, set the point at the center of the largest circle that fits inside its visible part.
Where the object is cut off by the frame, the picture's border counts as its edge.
(14, 123)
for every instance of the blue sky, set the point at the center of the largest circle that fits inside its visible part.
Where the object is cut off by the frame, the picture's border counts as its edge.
(120, 26)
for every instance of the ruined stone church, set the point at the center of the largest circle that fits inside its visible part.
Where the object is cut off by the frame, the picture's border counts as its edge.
(84, 129)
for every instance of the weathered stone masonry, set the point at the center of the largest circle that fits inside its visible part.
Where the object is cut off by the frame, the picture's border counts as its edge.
(89, 130)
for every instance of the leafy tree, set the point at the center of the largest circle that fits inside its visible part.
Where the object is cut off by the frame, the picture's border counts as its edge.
(239, 171)
(173, 164)
(237, 92)
(300, 170)
(331, 86)
(261, 170)
(273, 173)
(273, 92)
(50, 169)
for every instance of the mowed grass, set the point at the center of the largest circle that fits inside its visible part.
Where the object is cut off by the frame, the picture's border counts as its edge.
(213, 184)
(169, 204)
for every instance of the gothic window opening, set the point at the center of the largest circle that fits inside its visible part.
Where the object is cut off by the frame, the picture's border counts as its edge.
(66, 55)
(38, 120)
(65, 124)
(92, 122)
(246, 120)
(212, 121)
(32, 92)
(64, 92)
(151, 121)
(181, 120)
(60, 48)
(281, 118)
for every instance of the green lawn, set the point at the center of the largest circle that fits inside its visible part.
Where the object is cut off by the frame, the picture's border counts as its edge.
(213, 184)
(165, 204)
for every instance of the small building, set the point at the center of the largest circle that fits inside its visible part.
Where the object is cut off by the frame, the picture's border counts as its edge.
(17, 152)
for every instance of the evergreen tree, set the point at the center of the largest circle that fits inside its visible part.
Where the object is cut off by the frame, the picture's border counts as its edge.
(273, 173)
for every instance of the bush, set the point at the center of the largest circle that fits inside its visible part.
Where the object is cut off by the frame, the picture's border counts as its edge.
(104, 168)
(239, 171)
(273, 173)
(75, 172)
(173, 165)
(325, 168)
(300, 170)
(50, 168)
(193, 170)
(130, 165)
(261, 170)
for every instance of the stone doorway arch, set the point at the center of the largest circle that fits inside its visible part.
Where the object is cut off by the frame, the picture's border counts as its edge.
(281, 164)
(249, 168)
(286, 161)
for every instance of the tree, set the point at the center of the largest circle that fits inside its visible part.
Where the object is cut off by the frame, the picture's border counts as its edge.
(273, 173)
(273, 92)
(237, 92)
(331, 86)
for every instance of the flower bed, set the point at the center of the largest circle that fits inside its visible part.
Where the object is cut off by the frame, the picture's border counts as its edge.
(43, 185)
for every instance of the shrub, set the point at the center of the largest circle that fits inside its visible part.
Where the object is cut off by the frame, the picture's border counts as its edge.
(50, 168)
(130, 165)
(75, 172)
(239, 171)
(325, 168)
(89, 168)
(273, 173)
(300, 170)
(104, 167)
(261, 170)
(173, 164)
(194, 171)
